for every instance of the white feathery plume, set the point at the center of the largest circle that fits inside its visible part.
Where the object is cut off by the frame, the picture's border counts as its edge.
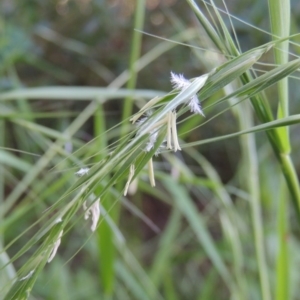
(181, 83)
(82, 171)
(194, 106)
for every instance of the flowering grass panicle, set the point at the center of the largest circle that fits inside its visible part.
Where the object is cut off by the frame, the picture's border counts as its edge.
(170, 141)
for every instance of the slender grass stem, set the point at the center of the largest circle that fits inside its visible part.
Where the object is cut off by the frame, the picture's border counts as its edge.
(135, 53)
(256, 212)
(251, 183)
(279, 11)
(106, 249)
(282, 263)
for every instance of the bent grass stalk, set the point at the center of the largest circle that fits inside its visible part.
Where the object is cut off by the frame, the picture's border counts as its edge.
(279, 138)
(260, 105)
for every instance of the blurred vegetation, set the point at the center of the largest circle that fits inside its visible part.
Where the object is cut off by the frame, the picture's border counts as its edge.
(220, 223)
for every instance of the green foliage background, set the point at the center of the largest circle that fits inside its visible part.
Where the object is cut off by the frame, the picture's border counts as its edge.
(222, 221)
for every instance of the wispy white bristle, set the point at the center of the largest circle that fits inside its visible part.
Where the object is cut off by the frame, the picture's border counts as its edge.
(195, 107)
(181, 83)
(27, 276)
(82, 171)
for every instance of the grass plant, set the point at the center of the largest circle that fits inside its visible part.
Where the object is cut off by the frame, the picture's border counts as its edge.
(205, 235)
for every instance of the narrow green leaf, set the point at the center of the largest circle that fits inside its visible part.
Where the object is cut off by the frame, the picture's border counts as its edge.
(231, 70)
(291, 120)
(12, 161)
(264, 81)
(76, 93)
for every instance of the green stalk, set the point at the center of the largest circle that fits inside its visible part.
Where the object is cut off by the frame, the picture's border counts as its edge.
(280, 25)
(282, 267)
(106, 249)
(252, 182)
(135, 54)
(279, 11)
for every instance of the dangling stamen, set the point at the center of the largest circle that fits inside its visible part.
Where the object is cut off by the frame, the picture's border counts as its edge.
(130, 176)
(174, 133)
(55, 246)
(151, 172)
(169, 134)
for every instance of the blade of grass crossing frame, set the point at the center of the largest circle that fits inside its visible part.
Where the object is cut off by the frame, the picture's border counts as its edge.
(291, 120)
